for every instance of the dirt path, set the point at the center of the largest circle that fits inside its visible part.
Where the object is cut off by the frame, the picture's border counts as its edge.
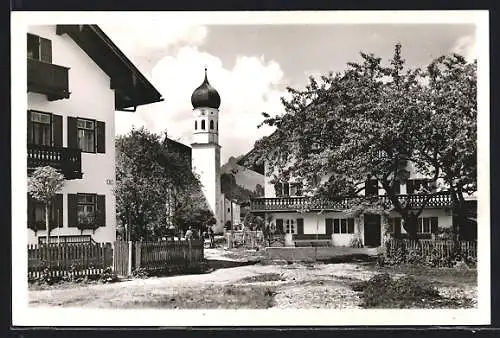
(302, 287)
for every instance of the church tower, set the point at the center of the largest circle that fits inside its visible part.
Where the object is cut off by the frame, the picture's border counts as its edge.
(205, 147)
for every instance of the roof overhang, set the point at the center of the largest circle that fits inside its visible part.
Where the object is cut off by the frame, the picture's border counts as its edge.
(131, 87)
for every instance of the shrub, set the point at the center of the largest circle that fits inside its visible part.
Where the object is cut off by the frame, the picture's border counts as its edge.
(381, 291)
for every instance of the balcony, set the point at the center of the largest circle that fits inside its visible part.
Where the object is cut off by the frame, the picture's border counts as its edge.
(49, 79)
(67, 161)
(438, 200)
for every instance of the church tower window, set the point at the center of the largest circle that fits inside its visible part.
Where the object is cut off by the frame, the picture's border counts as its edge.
(202, 124)
(195, 125)
(211, 124)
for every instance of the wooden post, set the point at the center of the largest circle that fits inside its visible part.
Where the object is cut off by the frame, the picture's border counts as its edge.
(129, 267)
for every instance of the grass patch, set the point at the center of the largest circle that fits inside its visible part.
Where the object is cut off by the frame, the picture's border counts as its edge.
(442, 276)
(214, 297)
(264, 277)
(382, 291)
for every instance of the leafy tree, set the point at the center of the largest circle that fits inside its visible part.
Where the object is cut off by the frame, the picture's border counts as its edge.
(43, 185)
(153, 188)
(449, 128)
(364, 123)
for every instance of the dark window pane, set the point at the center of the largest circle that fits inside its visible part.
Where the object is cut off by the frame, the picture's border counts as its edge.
(286, 189)
(336, 226)
(343, 226)
(202, 124)
(33, 47)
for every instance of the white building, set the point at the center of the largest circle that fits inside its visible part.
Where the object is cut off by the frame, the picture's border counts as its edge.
(231, 212)
(287, 207)
(77, 78)
(205, 147)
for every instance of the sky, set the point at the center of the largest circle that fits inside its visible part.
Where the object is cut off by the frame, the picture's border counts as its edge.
(251, 66)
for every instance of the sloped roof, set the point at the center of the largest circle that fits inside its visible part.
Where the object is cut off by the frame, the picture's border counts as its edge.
(131, 87)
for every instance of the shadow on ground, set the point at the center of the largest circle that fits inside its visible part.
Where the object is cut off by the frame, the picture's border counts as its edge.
(215, 264)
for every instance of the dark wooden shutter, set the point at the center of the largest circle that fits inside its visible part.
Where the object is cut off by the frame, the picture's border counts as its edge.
(45, 50)
(300, 226)
(72, 133)
(397, 188)
(350, 225)
(101, 136)
(72, 210)
(30, 128)
(31, 210)
(409, 187)
(397, 226)
(279, 225)
(329, 226)
(57, 130)
(58, 211)
(434, 225)
(101, 210)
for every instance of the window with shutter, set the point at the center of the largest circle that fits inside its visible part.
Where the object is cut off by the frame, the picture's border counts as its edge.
(101, 137)
(39, 48)
(279, 225)
(72, 210)
(329, 226)
(57, 130)
(45, 50)
(40, 128)
(300, 226)
(101, 210)
(72, 133)
(350, 225)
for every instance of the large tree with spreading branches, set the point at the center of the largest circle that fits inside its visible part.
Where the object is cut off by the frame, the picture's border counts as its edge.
(369, 122)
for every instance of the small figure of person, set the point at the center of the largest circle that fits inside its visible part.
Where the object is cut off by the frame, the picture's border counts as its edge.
(189, 234)
(211, 236)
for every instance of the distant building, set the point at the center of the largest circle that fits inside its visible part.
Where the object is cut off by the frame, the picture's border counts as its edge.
(77, 78)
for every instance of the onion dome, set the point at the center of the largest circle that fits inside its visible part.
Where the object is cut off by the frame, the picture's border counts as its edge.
(205, 95)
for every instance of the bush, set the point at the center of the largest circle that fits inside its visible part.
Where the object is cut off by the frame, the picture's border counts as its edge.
(382, 291)
(400, 254)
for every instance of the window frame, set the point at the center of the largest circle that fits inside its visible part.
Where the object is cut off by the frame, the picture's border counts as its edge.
(94, 130)
(86, 204)
(421, 223)
(342, 225)
(32, 125)
(39, 49)
(290, 225)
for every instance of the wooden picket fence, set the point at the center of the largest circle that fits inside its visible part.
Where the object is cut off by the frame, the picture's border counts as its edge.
(157, 255)
(69, 259)
(151, 256)
(442, 248)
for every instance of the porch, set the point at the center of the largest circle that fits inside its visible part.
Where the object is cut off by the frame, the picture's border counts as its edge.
(283, 204)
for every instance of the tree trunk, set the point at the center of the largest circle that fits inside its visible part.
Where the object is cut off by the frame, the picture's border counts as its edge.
(47, 226)
(410, 225)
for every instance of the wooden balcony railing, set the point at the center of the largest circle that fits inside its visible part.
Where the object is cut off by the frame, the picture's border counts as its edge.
(67, 161)
(437, 200)
(49, 79)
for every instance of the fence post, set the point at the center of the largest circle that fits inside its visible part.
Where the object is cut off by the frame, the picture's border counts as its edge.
(129, 267)
(138, 247)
